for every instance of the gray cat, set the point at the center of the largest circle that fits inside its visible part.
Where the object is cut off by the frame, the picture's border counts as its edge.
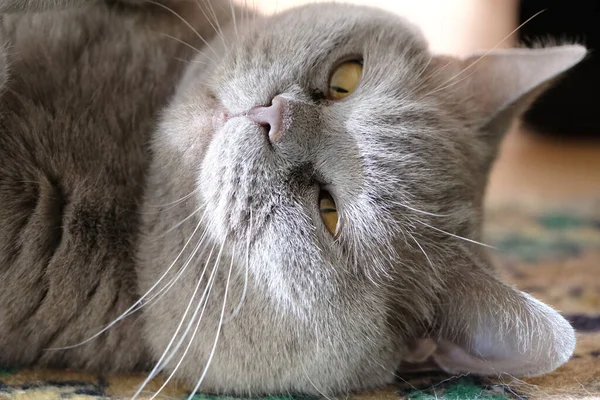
(294, 205)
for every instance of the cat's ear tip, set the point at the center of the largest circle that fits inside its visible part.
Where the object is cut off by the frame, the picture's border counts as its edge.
(556, 342)
(571, 51)
(577, 48)
(490, 328)
(576, 52)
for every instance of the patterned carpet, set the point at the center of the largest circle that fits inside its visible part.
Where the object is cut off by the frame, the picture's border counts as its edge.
(553, 254)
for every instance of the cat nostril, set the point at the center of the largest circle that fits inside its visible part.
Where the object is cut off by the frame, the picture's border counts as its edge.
(270, 117)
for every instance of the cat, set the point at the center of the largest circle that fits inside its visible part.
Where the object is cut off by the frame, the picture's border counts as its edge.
(256, 205)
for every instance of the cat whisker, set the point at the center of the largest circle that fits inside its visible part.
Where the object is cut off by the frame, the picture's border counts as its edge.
(201, 304)
(216, 18)
(218, 31)
(173, 280)
(422, 250)
(181, 222)
(190, 61)
(163, 291)
(449, 85)
(139, 303)
(420, 211)
(175, 202)
(233, 18)
(247, 268)
(175, 13)
(159, 364)
(182, 42)
(313, 385)
(434, 74)
(422, 71)
(212, 352)
(160, 294)
(457, 236)
(243, 11)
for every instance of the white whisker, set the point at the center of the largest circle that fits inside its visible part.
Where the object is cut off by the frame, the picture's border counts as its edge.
(444, 87)
(183, 42)
(216, 18)
(186, 23)
(422, 71)
(208, 18)
(212, 352)
(171, 204)
(134, 307)
(163, 291)
(159, 363)
(420, 211)
(433, 74)
(456, 236)
(313, 385)
(244, 290)
(233, 18)
(422, 250)
(181, 222)
(190, 61)
(203, 302)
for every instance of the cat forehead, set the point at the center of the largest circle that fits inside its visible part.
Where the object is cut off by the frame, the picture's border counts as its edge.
(329, 27)
(345, 17)
(303, 45)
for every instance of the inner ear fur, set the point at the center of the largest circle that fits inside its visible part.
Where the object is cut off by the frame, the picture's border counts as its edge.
(486, 327)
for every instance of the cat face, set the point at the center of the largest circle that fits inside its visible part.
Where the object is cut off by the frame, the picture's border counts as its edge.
(360, 205)
(383, 153)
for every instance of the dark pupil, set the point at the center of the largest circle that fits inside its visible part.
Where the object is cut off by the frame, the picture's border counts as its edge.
(338, 89)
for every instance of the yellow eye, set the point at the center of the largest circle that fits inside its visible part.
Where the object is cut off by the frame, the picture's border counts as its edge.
(328, 210)
(344, 79)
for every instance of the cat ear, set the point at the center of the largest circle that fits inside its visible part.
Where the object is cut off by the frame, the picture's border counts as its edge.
(500, 85)
(489, 328)
(513, 78)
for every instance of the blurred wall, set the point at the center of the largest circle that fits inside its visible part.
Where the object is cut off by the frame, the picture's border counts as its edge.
(456, 27)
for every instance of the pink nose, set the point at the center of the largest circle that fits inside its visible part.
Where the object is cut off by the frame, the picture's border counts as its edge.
(271, 117)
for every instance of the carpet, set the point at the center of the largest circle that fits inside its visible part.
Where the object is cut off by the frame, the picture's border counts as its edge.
(552, 253)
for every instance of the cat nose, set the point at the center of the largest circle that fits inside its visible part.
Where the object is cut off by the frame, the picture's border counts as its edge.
(271, 117)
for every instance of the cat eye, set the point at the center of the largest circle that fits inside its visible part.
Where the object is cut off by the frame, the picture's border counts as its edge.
(344, 79)
(328, 211)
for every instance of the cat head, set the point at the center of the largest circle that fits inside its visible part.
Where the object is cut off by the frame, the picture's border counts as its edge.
(345, 161)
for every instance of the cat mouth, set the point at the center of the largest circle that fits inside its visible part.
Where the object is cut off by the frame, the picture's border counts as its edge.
(220, 117)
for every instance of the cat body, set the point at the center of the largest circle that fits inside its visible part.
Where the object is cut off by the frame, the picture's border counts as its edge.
(66, 197)
(137, 175)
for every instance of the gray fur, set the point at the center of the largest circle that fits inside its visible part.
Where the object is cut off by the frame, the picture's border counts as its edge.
(111, 160)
